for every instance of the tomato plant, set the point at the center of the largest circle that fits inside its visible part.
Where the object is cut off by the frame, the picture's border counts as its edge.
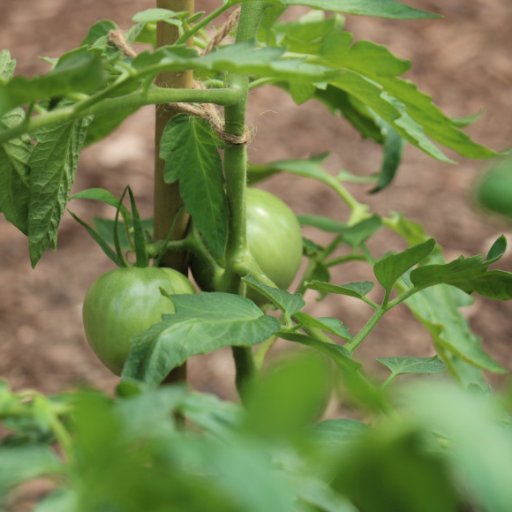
(163, 448)
(125, 302)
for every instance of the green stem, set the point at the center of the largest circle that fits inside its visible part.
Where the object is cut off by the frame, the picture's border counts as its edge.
(344, 259)
(403, 297)
(154, 96)
(205, 21)
(235, 169)
(359, 210)
(366, 330)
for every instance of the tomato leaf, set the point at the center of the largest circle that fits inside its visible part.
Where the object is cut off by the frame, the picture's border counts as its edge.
(189, 149)
(77, 71)
(392, 156)
(287, 302)
(202, 323)
(21, 463)
(323, 223)
(138, 234)
(104, 196)
(469, 274)
(380, 8)
(497, 250)
(15, 173)
(403, 365)
(53, 166)
(358, 289)
(99, 32)
(154, 15)
(99, 239)
(340, 355)
(7, 66)
(388, 269)
(327, 324)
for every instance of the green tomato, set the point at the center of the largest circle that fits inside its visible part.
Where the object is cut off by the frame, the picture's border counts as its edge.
(273, 238)
(494, 191)
(125, 302)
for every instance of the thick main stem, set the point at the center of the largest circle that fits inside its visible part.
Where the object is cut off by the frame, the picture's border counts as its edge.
(167, 201)
(235, 168)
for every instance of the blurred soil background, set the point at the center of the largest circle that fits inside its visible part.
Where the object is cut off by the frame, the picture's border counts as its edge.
(463, 61)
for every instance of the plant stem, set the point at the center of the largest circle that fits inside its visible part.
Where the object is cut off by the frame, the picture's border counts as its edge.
(167, 201)
(154, 96)
(235, 169)
(205, 21)
(344, 259)
(366, 330)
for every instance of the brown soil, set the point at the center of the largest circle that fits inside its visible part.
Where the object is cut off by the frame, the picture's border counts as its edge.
(462, 60)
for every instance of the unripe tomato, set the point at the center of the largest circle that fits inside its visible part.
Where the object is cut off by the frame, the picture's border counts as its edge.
(124, 302)
(494, 191)
(273, 238)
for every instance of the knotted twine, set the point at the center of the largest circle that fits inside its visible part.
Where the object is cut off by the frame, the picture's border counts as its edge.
(205, 111)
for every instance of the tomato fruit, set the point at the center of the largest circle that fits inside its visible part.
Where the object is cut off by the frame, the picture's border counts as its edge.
(494, 191)
(273, 238)
(124, 302)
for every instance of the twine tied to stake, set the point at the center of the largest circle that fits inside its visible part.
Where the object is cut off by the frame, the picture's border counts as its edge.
(206, 111)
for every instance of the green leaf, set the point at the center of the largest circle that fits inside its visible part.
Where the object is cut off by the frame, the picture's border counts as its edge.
(307, 34)
(327, 324)
(287, 302)
(340, 355)
(437, 308)
(369, 73)
(289, 397)
(406, 473)
(390, 268)
(139, 239)
(214, 416)
(340, 102)
(77, 71)
(103, 125)
(99, 30)
(403, 365)
(380, 8)
(53, 165)
(468, 274)
(359, 233)
(102, 242)
(189, 149)
(497, 250)
(105, 228)
(15, 173)
(339, 432)
(7, 66)
(242, 58)
(466, 419)
(102, 195)
(354, 235)
(154, 15)
(434, 122)
(57, 501)
(21, 463)
(319, 494)
(149, 414)
(202, 323)
(358, 289)
(323, 223)
(393, 150)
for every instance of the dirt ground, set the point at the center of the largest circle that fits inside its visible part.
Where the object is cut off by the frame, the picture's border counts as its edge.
(463, 60)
